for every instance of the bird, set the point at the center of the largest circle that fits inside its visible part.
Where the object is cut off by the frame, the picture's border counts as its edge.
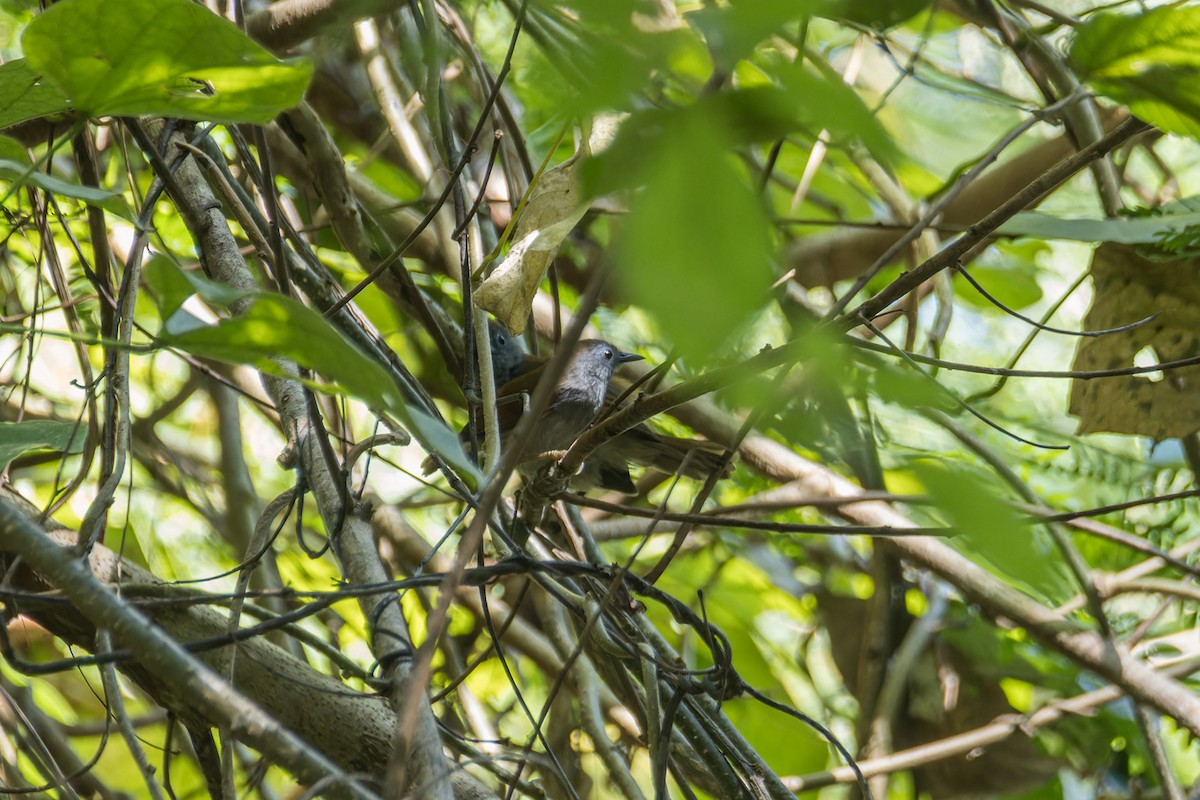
(577, 399)
(608, 466)
(509, 360)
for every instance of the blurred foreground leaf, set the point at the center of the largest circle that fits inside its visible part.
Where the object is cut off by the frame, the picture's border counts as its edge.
(696, 247)
(990, 529)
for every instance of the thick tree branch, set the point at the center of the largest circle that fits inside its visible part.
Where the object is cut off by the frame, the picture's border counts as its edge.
(1083, 646)
(187, 677)
(287, 23)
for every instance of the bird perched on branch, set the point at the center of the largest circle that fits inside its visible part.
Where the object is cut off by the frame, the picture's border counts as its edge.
(575, 403)
(589, 376)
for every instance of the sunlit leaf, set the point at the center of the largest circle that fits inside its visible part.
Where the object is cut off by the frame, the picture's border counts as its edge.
(436, 437)
(173, 285)
(1013, 283)
(880, 14)
(109, 201)
(168, 285)
(905, 386)
(18, 438)
(163, 57)
(275, 326)
(824, 102)
(25, 95)
(1122, 45)
(13, 151)
(803, 102)
(617, 48)
(1149, 61)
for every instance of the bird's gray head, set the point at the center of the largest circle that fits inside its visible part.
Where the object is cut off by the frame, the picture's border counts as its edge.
(591, 368)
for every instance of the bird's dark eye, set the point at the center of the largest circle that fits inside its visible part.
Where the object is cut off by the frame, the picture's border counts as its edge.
(608, 354)
(500, 339)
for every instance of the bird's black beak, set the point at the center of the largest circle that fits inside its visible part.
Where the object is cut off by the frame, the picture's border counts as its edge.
(625, 358)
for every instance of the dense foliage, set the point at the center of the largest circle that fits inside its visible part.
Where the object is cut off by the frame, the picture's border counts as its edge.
(923, 273)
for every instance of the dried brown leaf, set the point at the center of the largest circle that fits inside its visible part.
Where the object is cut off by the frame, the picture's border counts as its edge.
(1129, 286)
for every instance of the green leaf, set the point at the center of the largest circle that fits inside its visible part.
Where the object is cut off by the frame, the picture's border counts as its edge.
(14, 151)
(1007, 273)
(615, 14)
(436, 437)
(825, 101)
(732, 31)
(622, 165)
(18, 438)
(156, 57)
(24, 95)
(1163, 96)
(804, 101)
(1124, 230)
(168, 284)
(109, 201)
(1122, 45)
(612, 60)
(1150, 62)
(172, 286)
(989, 529)
(879, 14)
(616, 68)
(275, 326)
(906, 387)
(757, 114)
(696, 247)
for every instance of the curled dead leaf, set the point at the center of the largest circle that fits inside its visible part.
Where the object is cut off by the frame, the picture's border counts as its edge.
(553, 209)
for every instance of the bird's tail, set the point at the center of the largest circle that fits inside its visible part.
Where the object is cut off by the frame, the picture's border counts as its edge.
(691, 458)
